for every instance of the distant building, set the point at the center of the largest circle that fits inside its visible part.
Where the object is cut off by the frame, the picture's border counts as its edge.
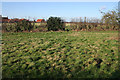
(14, 20)
(5, 19)
(40, 20)
(23, 19)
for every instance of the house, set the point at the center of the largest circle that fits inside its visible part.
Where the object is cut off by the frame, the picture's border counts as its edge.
(23, 19)
(5, 19)
(16, 20)
(40, 20)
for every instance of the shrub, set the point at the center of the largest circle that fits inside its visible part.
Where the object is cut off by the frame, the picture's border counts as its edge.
(55, 24)
(19, 26)
(24, 25)
(9, 27)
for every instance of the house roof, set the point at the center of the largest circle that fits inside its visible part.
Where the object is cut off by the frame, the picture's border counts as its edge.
(5, 20)
(4, 17)
(40, 20)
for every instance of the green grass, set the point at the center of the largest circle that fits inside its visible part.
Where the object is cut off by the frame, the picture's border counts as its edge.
(60, 55)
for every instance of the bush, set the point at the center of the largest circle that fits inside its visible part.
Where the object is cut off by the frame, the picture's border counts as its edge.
(55, 24)
(24, 25)
(9, 27)
(19, 26)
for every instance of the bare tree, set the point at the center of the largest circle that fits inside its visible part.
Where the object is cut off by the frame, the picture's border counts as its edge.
(110, 18)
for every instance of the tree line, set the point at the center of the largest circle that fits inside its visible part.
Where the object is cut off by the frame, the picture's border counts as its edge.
(110, 21)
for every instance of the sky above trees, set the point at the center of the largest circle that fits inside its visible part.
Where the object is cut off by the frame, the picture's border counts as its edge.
(66, 10)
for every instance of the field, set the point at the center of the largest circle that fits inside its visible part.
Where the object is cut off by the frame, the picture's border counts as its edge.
(60, 55)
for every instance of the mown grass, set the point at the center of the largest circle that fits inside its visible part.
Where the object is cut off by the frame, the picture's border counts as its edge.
(60, 55)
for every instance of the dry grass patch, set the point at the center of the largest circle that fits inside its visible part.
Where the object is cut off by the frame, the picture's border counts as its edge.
(112, 38)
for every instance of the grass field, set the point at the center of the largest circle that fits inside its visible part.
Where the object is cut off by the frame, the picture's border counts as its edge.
(60, 55)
